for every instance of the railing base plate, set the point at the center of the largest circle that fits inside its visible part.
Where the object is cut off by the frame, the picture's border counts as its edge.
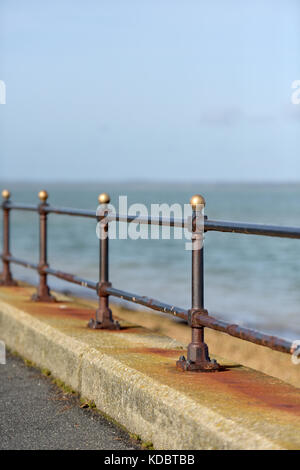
(204, 366)
(106, 325)
(43, 298)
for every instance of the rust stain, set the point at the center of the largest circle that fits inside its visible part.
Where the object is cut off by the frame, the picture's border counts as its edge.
(250, 388)
(160, 351)
(21, 297)
(133, 329)
(54, 310)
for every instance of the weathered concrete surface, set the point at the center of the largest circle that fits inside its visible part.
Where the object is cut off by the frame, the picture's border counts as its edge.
(131, 376)
(248, 354)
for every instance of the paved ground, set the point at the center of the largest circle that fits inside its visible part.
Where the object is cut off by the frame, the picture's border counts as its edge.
(36, 414)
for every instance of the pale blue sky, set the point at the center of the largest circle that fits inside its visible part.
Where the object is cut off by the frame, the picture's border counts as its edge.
(152, 89)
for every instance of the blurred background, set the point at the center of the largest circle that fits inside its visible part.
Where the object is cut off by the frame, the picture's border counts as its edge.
(159, 100)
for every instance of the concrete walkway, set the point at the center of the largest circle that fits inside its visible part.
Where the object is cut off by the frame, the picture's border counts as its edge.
(36, 414)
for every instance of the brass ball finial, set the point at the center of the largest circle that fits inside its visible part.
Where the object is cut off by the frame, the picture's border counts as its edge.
(43, 195)
(103, 198)
(5, 194)
(197, 200)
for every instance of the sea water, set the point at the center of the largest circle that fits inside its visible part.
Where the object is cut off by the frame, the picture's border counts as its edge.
(250, 280)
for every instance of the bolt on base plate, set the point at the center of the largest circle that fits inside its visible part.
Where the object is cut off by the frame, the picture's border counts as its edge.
(203, 366)
(106, 325)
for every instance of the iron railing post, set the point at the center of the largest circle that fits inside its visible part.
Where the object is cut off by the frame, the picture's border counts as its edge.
(197, 354)
(43, 291)
(6, 278)
(104, 318)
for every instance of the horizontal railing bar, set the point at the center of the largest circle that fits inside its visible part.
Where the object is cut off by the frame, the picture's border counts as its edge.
(252, 229)
(71, 278)
(169, 222)
(22, 207)
(54, 210)
(52, 272)
(70, 211)
(21, 262)
(208, 321)
(147, 302)
(209, 225)
(214, 225)
(247, 334)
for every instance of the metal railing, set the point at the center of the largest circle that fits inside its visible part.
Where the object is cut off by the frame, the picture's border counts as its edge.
(197, 317)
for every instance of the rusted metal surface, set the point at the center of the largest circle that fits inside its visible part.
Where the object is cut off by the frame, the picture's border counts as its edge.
(197, 317)
(272, 342)
(104, 318)
(71, 278)
(21, 262)
(43, 291)
(275, 343)
(148, 302)
(6, 278)
(198, 359)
